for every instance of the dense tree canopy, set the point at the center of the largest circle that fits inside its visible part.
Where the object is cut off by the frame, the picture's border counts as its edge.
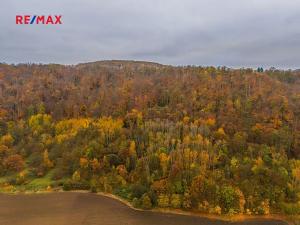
(216, 140)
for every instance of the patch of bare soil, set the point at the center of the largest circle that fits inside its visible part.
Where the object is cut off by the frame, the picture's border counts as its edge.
(90, 209)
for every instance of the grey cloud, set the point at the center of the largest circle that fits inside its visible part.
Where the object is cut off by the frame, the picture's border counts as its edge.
(203, 32)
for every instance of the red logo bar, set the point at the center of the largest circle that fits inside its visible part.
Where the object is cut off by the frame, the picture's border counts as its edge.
(39, 19)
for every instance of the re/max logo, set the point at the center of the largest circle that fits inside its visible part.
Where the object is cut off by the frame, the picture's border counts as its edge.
(41, 19)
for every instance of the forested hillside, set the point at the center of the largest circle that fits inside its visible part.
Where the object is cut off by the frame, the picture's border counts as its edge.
(208, 139)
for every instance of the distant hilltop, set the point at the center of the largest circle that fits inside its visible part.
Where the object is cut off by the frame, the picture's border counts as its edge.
(136, 65)
(121, 63)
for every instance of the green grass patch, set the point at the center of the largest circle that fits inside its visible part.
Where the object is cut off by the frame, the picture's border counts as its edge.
(40, 183)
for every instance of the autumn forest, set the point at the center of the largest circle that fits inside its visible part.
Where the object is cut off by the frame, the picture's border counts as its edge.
(211, 140)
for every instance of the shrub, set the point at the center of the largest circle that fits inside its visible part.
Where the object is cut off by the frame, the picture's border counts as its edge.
(218, 210)
(263, 208)
(93, 189)
(229, 200)
(163, 201)
(290, 208)
(76, 176)
(203, 207)
(176, 201)
(75, 185)
(14, 163)
(93, 185)
(146, 202)
(138, 190)
(123, 192)
(187, 202)
(58, 174)
(153, 197)
(136, 203)
(12, 181)
(21, 178)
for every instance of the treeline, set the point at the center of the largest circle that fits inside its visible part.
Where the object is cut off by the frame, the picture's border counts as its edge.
(215, 140)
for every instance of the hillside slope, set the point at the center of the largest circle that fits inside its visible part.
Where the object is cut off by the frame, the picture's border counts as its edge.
(216, 140)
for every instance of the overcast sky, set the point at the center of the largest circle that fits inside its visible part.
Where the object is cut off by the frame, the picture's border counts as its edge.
(234, 33)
